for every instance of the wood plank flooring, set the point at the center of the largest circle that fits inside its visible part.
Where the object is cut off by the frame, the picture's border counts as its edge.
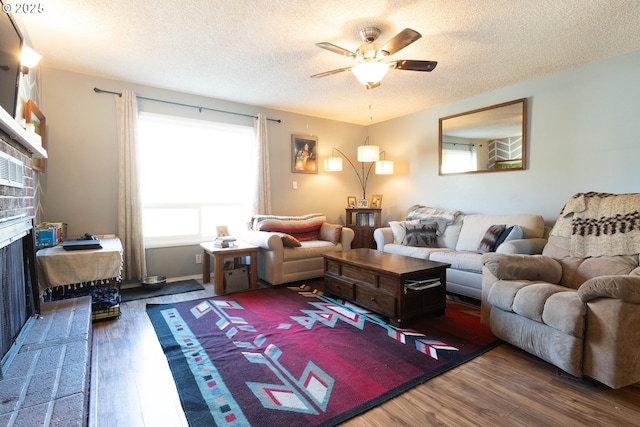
(132, 386)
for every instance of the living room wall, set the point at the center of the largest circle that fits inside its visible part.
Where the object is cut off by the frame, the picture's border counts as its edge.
(82, 167)
(582, 136)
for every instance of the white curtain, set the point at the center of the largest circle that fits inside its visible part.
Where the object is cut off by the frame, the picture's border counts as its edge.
(262, 195)
(129, 201)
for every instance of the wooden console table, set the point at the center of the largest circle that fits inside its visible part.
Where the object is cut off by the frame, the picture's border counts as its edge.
(219, 255)
(378, 281)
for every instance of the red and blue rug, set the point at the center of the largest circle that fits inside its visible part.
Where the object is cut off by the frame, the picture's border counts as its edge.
(280, 357)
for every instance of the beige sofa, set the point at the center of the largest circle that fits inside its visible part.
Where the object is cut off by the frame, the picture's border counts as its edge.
(457, 241)
(577, 305)
(291, 247)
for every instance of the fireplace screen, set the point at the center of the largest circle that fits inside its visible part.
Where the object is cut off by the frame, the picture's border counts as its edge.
(18, 296)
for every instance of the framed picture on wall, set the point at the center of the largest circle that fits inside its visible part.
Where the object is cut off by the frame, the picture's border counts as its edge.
(304, 154)
(37, 123)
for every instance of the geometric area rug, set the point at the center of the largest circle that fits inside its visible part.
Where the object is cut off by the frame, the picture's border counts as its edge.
(294, 357)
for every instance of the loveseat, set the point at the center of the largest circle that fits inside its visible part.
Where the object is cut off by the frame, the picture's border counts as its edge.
(291, 247)
(460, 240)
(577, 305)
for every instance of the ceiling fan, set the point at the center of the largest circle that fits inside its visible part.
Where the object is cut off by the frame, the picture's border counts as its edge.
(370, 68)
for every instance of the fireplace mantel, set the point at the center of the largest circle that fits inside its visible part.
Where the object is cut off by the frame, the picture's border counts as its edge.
(30, 141)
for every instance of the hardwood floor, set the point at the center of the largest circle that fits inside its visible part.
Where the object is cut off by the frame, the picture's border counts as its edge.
(132, 386)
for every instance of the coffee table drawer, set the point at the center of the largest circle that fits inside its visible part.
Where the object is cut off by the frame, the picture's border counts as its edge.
(380, 303)
(338, 287)
(359, 274)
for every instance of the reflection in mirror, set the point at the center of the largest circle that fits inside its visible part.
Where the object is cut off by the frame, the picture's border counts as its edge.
(490, 139)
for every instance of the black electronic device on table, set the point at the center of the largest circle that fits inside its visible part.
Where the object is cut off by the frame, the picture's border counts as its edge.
(88, 241)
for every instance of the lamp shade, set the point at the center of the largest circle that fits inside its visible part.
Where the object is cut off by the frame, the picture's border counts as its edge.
(384, 167)
(370, 72)
(368, 153)
(333, 164)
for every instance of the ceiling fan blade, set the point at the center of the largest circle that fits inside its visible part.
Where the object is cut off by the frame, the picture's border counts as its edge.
(328, 73)
(336, 49)
(408, 64)
(401, 40)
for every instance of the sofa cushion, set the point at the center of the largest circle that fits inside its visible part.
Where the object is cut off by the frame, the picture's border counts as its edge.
(421, 235)
(303, 228)
(565, 312)
(412, 251)
(330, 232)
(530, 300)
(475, 226)
(310, 249)
(490, 239)
(466, 261)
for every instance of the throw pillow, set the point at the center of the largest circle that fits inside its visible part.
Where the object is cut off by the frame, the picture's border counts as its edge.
(488, 242)
(330, 232)
(421, 235)
(398, 230)
(511, 233)
(289, 241)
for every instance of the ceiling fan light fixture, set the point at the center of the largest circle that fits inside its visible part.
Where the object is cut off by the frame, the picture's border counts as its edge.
(371, 72)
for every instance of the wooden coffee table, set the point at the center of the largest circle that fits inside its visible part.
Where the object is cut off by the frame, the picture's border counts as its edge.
(377, 280)
(241, 249)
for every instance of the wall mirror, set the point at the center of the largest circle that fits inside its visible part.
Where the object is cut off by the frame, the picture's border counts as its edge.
(490, 139)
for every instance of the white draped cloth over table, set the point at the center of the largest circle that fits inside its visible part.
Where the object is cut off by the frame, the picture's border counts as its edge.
(58, 267)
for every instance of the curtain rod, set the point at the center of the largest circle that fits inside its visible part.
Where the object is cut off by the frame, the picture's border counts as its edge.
(97, 90)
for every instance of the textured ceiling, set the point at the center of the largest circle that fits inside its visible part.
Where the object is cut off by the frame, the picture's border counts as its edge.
(262, 52)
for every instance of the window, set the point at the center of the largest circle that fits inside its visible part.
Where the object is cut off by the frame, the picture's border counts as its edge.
(194, 175)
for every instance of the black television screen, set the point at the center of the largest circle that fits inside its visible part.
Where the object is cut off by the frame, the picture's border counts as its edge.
(10, 48)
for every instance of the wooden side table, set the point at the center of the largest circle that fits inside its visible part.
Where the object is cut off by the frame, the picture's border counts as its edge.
(363, 222)
(219, 255)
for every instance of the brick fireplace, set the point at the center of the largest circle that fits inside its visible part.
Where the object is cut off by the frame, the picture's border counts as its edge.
(19, 301)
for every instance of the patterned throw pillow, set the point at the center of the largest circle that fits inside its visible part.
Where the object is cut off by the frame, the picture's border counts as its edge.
(421, 235)
(488, 242)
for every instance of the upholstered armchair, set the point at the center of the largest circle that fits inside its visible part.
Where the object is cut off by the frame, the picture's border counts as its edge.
(577, 305)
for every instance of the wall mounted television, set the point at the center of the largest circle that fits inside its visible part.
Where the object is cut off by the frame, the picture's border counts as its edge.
(10, 48)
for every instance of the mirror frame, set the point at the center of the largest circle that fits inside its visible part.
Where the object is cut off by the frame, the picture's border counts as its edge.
(522, 101)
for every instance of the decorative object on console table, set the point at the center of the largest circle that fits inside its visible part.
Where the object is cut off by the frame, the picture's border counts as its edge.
(36, 123)
(363, 222)
(304, 155)
(351, 202)
(376, 201)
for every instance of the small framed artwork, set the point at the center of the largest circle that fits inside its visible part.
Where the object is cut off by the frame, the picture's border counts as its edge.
(363, 203)
(351, 202)
(222, 230)
(36, 122)
(304, 155)
(376, 201)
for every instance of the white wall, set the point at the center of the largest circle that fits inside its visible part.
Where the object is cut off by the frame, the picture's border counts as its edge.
(82, 173)
(583, 135)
